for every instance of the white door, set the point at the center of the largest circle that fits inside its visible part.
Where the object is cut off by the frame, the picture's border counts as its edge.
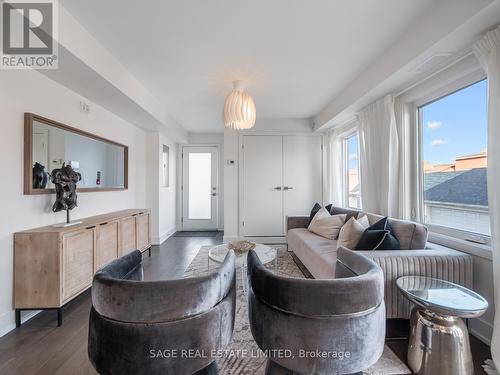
(200, 190)
(262, 204)
(41, 148)
(302, 174)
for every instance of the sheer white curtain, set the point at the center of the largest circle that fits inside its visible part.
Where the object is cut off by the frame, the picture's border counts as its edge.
(487, 50)
(334, 168)
(379, 157)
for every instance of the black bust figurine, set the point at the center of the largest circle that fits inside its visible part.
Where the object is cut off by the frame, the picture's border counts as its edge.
(40, 177)
(65, 180)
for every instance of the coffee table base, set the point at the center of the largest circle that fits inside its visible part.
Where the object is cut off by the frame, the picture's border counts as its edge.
(438, 345)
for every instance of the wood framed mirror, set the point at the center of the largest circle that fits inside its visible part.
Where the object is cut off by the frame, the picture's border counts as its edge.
(48, 144)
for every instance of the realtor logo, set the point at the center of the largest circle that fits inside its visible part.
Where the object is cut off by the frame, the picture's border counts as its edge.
(29, 34)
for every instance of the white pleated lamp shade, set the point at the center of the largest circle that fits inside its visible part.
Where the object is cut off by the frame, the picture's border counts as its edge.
(239, 109)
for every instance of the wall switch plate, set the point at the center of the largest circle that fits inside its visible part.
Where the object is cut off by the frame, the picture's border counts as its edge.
(84, 107)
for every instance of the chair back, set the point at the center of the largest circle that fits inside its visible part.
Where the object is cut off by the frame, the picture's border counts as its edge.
(343, 318)
(142, 327)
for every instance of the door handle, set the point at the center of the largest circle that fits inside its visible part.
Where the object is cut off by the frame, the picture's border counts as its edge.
(277, 188)
(213, 194)
(287, 188)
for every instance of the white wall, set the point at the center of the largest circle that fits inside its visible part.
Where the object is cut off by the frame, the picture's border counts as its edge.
(29, 91)
(161, 199)
(231, 152)
(168, 195)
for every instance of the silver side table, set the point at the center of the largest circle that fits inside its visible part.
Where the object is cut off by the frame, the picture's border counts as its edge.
(439, 340)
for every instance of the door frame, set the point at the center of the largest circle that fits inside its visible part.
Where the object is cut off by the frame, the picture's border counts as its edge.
(180, 184)
(241, 171)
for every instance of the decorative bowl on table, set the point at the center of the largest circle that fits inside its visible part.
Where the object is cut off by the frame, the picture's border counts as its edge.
(241, 247)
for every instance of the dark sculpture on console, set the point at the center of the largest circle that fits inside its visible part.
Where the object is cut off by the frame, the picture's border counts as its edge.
(65, 180)
(40, 177)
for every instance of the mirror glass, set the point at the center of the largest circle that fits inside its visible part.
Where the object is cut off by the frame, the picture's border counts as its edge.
(101, 164)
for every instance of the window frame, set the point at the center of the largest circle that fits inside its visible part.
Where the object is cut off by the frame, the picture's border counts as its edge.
(345, 168)
(435, 88)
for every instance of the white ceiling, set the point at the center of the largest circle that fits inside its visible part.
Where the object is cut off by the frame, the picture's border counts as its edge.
(295, 55)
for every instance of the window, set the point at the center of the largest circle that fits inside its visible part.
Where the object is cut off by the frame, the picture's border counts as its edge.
(351, 167)
(200, 185)
(165, 166)
(453, 153)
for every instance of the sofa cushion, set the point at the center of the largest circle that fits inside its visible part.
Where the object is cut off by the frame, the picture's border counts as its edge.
(318, 254)
(326, 225)
(340, 210)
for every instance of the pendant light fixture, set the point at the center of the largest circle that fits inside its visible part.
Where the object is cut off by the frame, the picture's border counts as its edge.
(239, 109)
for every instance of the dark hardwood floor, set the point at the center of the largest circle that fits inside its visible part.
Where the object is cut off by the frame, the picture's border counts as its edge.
(40, 347)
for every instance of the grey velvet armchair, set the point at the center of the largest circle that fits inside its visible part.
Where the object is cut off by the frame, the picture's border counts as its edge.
(319, 326)
(159, 327)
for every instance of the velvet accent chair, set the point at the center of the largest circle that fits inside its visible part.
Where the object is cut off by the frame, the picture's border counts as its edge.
(319, 326)
(159, 327)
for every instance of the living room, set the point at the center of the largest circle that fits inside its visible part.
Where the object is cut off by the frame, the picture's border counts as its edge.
(236, 187)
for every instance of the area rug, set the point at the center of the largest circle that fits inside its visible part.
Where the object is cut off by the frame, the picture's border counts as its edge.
(244, 356)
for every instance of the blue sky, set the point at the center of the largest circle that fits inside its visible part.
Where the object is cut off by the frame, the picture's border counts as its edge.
(352, 152)
(455, 125)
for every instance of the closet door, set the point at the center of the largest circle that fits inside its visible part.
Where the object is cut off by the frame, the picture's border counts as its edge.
(302, 173)
(262, 208)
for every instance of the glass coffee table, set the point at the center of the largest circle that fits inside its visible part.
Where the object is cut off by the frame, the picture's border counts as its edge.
(439, 340)
(265, 253)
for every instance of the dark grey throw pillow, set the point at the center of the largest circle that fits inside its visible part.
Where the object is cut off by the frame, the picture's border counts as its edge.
(328, 207)
(314, 211)
(382, 224)
(341, 211)
(378, 239)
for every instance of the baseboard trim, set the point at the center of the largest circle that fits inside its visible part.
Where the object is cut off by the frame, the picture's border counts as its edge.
(7, 320)
(164, 236)
(481, 329)
(263, 240)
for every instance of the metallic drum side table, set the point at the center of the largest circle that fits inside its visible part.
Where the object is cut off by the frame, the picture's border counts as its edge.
(439, 340)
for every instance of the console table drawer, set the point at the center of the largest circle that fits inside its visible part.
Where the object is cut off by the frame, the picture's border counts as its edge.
(78, 261)
(128, 235)
(107, 243)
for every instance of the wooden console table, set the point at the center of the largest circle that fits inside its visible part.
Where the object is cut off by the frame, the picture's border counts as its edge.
(53, 265)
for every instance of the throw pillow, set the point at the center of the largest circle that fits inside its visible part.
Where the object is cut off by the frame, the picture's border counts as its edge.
(351, 232)
(363, 219)
(314, 211)
(383, 224)
(328, 207)
(325, 225)
(378, 239)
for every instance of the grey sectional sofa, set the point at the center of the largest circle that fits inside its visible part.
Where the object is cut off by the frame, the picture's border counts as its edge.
(416, 257)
